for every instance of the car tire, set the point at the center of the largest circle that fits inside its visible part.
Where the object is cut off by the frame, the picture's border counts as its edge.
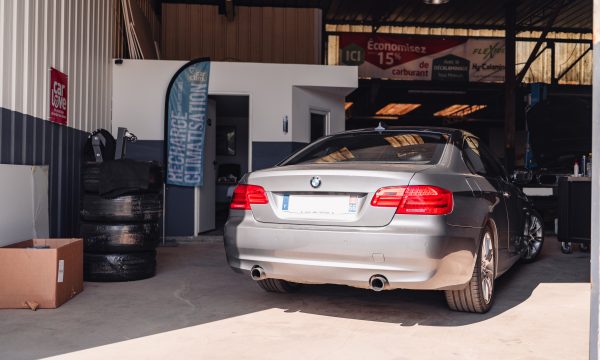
(478, 295)
(119, 238)
(127, 208)
(533, 234)
(90, 175)
(278, 286)
(119, 267)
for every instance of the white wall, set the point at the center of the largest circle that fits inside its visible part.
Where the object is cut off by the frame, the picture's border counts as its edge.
(317, 99)
(24, 205)
(139, 90)
(73, 36)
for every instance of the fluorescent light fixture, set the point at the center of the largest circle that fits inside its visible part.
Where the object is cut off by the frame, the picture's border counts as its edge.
(459, 110)
(348, 105)
(397, 109)
(436, 2)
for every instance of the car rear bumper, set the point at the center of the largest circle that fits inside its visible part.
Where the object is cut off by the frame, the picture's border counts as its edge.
(412, 252)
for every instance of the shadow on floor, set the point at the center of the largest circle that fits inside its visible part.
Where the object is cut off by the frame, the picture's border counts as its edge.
(195, 286)
(428, 308)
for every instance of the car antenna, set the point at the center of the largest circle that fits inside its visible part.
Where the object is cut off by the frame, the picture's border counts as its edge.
(380, 127)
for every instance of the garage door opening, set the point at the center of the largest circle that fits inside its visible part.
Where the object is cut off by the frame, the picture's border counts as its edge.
(477, 108)
(227, 160)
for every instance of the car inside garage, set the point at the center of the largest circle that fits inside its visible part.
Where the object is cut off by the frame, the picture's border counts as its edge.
(289, 179)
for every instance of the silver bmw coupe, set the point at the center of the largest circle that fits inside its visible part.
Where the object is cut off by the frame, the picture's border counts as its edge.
(397, 208)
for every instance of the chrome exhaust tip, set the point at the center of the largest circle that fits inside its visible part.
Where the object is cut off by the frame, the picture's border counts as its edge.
(257, 273)
(378, 283)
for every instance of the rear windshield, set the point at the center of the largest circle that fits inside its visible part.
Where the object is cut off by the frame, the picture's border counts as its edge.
(387, 146)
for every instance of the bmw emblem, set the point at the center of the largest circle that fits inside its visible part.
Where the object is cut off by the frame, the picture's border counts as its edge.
(315, 182)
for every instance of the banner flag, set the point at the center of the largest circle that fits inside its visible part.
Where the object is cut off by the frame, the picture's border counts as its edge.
(186, 112)
(424, 58)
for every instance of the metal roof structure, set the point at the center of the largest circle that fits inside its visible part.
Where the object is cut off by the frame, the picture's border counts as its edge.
(574, 15)
(532, 15)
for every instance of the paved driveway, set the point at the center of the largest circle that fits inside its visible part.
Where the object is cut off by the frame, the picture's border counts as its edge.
(196, 307)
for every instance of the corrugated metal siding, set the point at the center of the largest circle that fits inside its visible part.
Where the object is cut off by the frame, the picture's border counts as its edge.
(119, 49)
(540, 70)
(74, 37)
(70, 35)
(257, 34)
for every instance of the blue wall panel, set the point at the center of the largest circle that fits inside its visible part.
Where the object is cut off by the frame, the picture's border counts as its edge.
(26, 140)
(266, 154)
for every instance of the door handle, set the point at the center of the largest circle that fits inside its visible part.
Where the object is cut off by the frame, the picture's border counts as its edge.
(506, 194)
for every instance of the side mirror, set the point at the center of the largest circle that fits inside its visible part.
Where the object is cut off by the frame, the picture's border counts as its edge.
(521, 177)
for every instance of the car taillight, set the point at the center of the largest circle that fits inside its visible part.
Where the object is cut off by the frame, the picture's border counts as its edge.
(415, 199)
(245, 195)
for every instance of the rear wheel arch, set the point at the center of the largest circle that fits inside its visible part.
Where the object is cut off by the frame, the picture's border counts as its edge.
(478, 294)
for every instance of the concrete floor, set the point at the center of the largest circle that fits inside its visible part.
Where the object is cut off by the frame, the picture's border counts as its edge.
(196, 307)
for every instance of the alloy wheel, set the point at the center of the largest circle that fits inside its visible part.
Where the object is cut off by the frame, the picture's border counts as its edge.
(487, 267)
(533, 236)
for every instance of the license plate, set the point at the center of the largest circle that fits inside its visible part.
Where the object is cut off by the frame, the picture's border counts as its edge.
(320, 204)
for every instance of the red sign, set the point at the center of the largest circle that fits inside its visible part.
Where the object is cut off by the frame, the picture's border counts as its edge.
(58, 96)
(386, 51)
(400, 57)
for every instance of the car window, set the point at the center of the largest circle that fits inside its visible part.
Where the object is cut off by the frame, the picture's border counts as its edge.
(480, 159)
(385, 146)
(491, 162)
(472, 156)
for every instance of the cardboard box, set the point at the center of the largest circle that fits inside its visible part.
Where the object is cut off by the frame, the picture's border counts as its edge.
(48, 277)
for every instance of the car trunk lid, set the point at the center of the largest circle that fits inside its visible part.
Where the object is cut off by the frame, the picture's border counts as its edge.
(340, 194)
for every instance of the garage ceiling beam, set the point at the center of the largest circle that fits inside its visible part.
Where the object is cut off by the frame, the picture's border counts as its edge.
(519, 39)
(536, 49)
(575, 30)
(510, 85)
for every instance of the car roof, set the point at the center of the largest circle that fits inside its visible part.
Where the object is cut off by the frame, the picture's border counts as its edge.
(434, 129)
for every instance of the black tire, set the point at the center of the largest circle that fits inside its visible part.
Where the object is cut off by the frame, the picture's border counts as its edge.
(278, 286)
(119, 238)
(90, 176)
(472, 298)
(533, 242)
(128, 208)
(119, 267)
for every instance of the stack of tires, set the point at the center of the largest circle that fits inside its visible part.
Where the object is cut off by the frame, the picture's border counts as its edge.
(120, 234)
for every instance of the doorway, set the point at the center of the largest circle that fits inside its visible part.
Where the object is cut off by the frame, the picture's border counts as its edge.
(319, 124)
(227, 150)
